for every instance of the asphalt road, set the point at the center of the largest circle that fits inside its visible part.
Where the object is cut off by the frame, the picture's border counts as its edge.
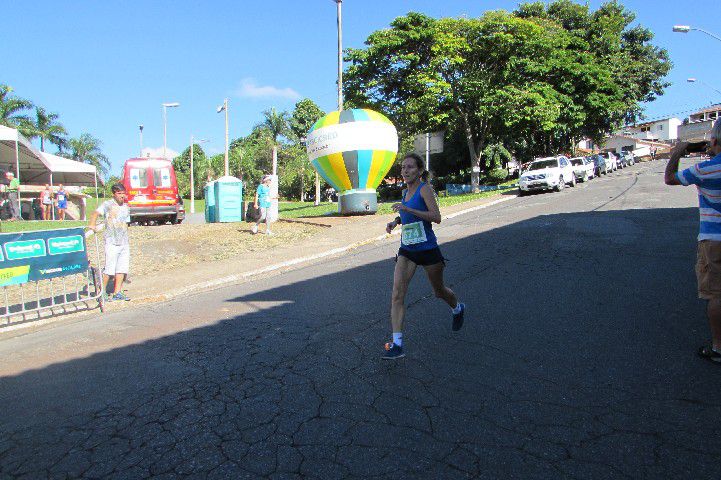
(577, 360)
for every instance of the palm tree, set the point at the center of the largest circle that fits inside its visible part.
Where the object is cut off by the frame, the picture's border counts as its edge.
(47, 128)
(11, 108)
(277, 123)
(86, 149)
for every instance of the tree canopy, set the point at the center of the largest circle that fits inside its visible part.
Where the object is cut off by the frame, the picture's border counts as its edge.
(535, 80)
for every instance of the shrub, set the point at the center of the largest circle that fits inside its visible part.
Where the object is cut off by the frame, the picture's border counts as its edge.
(494, 177)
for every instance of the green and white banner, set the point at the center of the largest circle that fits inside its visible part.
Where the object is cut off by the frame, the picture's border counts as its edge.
(32, 256)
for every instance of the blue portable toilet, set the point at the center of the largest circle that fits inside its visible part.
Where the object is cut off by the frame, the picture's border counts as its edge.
(210, 210)
(227, 200)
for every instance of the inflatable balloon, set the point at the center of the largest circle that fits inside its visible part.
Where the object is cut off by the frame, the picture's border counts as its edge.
(353, 150)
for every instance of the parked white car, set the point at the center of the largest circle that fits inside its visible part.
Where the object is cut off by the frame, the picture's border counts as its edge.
(584, 169)
(611, 160)
(549, 173)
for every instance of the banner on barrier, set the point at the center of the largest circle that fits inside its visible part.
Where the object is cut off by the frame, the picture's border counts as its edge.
(39, 255)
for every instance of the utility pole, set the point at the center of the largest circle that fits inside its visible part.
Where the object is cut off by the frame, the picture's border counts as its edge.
(141, 140)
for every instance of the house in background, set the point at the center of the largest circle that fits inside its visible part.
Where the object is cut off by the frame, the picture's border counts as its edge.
(698, 125)
(663, 130)
(639, 147)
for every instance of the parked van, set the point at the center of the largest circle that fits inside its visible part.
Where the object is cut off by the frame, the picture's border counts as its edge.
(152, 191)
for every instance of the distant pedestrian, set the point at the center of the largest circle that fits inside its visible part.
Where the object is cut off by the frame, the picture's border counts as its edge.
(707, 178)
(13, 190)
(62, 201)
(418, 208)
(46, 201)
(653, 153)
(117, 242)
(262, 202)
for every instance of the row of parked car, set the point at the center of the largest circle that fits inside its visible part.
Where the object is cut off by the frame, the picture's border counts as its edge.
(554, 173)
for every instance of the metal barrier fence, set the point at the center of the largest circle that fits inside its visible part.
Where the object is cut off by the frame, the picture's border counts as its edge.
(36, 299)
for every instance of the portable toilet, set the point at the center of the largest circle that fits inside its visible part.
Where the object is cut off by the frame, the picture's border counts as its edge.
(227, 203)
(210, 210)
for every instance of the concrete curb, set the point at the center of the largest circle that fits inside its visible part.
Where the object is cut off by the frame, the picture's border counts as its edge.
(239, 278)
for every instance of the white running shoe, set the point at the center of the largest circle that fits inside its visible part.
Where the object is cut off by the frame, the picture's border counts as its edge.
(254, 229)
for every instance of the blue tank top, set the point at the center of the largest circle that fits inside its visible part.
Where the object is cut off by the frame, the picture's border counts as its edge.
(416, 234)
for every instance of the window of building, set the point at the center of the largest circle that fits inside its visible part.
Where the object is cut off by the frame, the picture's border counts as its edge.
(660, 127)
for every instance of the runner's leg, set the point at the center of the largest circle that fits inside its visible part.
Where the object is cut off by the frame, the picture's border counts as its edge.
(435, 276)
(402, 275)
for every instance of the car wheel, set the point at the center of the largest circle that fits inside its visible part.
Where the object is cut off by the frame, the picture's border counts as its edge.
(561, 184)
(522, 193)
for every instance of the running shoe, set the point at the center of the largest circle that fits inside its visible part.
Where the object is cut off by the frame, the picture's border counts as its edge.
(392, 351)
(458, 318)
(254, 229)
(121, 296)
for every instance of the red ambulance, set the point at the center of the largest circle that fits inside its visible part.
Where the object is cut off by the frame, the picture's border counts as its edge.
(152, 191)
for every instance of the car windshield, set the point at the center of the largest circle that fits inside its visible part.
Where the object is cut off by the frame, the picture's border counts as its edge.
(540, 165)
(576, 161)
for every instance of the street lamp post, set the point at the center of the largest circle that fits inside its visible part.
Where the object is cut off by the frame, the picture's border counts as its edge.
(224, 107)
(141, 140)
(192, 176)
(694, 80)
(687, 28)
(340, 54)
(165, 125)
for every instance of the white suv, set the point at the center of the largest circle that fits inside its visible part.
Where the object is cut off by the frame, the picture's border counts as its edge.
(549, 173)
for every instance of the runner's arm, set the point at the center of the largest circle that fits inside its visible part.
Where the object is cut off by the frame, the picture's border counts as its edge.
(432, 215)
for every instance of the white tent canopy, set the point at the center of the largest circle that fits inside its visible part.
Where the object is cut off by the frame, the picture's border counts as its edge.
(38, 168)
(18, 154)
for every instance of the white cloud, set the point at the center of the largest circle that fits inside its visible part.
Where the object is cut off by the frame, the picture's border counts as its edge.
(158, 153)
(249, 89)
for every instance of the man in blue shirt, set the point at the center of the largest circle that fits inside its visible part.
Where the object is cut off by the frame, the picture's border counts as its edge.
(707, 178)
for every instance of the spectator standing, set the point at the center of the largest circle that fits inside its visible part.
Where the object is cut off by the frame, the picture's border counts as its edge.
(117, 242)
(46, 201)
(262, 202)
(13, 189)
(707, 178)
(62, 201)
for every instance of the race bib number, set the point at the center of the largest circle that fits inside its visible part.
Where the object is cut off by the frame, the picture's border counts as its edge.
(413, 233)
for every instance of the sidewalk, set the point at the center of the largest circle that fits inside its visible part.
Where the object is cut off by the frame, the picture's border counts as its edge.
(340, 234)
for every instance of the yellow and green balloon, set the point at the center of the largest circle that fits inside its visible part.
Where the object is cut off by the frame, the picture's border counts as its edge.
(353, 151)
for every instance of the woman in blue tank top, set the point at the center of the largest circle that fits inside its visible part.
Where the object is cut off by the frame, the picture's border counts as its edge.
(417, 211)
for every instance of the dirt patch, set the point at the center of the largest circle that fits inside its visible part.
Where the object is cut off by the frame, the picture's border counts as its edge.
(165, 247)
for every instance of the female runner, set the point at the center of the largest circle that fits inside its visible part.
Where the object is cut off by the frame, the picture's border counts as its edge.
(418, 208)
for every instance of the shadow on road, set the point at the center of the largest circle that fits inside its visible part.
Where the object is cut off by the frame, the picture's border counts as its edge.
(576, 361)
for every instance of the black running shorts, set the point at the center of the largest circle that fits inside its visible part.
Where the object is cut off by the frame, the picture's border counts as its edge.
(422, 257)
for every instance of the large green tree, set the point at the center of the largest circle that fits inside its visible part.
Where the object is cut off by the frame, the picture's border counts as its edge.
(535, 80)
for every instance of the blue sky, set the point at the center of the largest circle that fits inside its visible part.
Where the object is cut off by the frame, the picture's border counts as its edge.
(106, 67)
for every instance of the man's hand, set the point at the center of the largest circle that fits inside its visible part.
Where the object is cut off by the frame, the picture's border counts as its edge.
(390, 226)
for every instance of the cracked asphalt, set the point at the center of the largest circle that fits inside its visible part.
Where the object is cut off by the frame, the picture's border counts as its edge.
(577, 360)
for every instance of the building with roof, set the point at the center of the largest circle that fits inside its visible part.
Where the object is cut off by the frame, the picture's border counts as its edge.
(698, 124)
(662, 130)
